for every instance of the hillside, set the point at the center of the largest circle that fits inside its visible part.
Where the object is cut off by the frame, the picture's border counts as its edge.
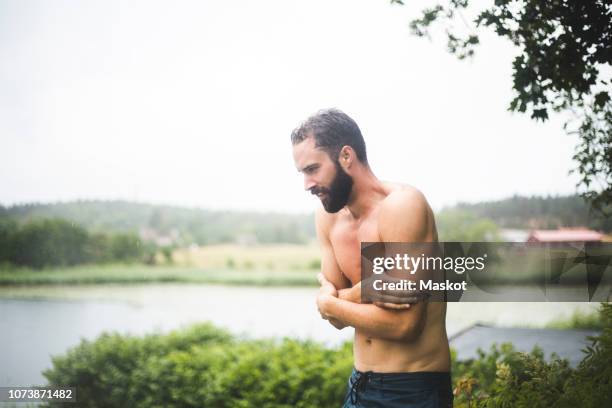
(539, 212)
(183, 225)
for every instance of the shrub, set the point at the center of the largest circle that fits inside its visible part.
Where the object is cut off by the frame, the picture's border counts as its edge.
(506, 378)
(202, 366)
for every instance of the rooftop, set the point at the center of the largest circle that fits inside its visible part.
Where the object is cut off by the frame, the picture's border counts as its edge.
(564, 235)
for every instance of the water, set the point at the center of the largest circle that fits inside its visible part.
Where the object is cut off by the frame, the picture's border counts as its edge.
(38, 322)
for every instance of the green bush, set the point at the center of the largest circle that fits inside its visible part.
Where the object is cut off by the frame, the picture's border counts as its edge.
(106, 371)
(591, 384)
(202, 366)
(506, 378)
(126, 247)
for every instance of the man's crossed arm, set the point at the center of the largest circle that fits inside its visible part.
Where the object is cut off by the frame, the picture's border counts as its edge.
(397, 323)
(403, 218)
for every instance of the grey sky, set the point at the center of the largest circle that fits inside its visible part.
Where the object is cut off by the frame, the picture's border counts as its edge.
(192, 103)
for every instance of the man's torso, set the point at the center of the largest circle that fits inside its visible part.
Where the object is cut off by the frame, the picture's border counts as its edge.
(427, 352)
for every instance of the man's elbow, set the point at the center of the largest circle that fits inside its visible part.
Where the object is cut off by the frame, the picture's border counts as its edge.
(337, 324)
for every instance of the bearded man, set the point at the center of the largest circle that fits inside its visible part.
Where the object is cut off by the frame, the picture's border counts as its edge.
(401, 352)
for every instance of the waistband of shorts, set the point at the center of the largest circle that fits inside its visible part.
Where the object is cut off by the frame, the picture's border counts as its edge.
(405, 375)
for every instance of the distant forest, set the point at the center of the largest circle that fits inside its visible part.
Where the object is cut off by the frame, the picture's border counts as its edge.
(185, 225)
(539, 213)
(202, 227)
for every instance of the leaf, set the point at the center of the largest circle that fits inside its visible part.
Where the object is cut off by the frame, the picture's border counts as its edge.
(601, 99)
(540, 114)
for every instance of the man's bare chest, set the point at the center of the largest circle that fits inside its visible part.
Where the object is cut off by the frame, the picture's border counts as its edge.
(346, 239)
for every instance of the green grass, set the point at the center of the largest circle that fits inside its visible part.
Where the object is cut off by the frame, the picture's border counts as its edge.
(96, 274)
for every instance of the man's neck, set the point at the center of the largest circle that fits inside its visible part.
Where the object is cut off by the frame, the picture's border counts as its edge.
(367, 192)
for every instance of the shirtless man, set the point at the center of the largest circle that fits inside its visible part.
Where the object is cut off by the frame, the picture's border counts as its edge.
(401, 351)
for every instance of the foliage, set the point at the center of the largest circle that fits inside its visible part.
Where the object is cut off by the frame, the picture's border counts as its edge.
(189, 225)
(591, 386)
(56, 242)
(47, 242)
(125, 247)
(580, 320)
(505, 378)
(489, 380)
(462, 226)
(205, 366)
(539, 212)
(563, 61)
(8, 227)
(202, 366)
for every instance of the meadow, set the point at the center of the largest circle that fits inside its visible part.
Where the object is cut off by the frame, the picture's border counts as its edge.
(262, 265)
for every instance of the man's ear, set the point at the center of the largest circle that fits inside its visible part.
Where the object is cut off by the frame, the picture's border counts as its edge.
(346, 157)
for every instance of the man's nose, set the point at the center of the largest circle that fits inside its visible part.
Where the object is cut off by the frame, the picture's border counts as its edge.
(308, 183)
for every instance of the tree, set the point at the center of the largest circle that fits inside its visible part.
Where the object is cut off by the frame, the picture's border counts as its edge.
(126, 247)
(8, 227)
(563, 65)
(462, 226)
(49, 242)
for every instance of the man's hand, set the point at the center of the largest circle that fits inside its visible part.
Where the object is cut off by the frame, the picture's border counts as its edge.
(351, 294)
(391, 299)
(326, 291)
(326, 286)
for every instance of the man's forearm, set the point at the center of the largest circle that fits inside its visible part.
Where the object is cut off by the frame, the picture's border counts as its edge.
(350, 294)
(375, 321)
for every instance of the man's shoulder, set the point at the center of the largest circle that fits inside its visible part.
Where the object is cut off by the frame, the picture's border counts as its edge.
(402, 198)
(404, 211)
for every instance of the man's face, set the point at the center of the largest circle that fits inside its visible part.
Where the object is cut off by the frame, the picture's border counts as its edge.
(323, 176)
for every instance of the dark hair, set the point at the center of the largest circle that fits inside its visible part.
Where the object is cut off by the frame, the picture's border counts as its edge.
(332, 129)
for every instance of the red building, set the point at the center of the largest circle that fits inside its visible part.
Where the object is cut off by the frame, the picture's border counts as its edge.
(565, 235)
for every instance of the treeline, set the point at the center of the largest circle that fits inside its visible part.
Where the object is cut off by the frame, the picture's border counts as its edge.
(56, 242)
(540, 212)
(463, 226)
(185, 225)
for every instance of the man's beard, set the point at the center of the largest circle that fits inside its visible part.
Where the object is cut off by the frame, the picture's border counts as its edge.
(338, 193)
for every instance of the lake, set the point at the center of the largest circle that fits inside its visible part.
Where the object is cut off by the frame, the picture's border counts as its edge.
(38, 322)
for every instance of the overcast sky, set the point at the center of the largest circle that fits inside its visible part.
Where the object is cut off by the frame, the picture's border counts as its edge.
(192, 103)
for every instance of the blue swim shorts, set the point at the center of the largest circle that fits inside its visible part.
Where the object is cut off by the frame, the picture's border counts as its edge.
(421, 389)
